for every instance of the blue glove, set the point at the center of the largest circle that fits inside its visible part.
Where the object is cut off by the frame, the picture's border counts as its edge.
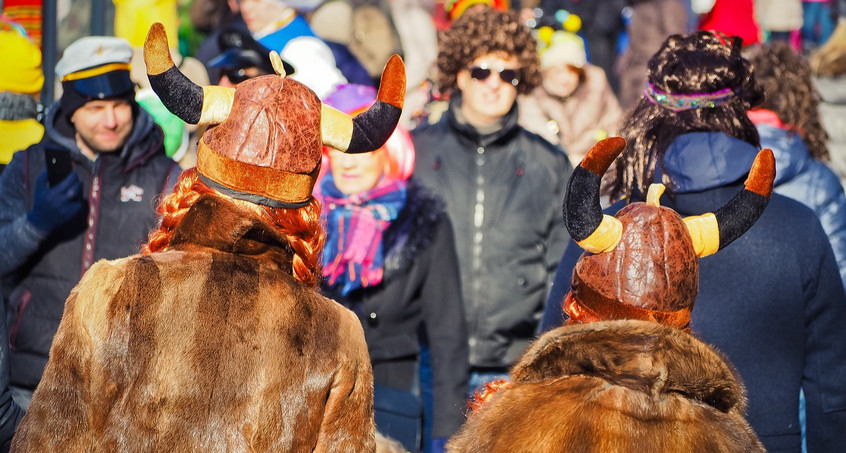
(438, 445)
(55, 206)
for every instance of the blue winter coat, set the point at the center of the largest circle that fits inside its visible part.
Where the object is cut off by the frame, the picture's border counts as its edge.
(772, 301)
(810, 182)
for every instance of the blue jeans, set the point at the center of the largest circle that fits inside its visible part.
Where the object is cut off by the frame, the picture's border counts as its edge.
(816, 14)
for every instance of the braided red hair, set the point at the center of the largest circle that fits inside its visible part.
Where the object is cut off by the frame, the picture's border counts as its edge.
(301, 226)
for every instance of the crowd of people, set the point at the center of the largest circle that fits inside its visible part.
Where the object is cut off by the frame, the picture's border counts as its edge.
(257, 230)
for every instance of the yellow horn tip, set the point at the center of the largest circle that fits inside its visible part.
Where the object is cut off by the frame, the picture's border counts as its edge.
(653, 194)
(156, 51)
(276, 62)
(606, 236)
(704, 233)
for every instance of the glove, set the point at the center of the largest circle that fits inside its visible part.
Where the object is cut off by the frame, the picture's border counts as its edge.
(438, 445)
(55, 206)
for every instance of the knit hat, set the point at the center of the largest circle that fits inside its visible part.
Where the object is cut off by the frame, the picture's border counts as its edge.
(643, 263)
(271, 129)
(20, 64)
(95, 67)
(564, 48)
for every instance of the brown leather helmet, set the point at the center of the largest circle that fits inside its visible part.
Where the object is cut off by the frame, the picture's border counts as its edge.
(271, 130)
(644, 262)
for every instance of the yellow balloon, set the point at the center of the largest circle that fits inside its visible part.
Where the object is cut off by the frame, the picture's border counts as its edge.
(545, 34)
(573, 23)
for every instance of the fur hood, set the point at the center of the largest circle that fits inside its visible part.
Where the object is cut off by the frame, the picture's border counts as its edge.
(614, 386)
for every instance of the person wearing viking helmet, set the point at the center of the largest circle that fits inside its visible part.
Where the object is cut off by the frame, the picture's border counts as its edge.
(772, 301)
(624, 375)
(215, 338)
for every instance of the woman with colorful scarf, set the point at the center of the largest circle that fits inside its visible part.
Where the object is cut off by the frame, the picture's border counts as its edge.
(390, 257)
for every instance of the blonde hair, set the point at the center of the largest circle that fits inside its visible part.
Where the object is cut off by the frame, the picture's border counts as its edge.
(830, 59)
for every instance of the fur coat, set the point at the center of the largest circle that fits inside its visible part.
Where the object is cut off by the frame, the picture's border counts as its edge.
(211, 346)
(614, 386)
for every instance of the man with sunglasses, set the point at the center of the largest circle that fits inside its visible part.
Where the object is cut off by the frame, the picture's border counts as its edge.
(85, 192)
(242, 58)
(503, 185)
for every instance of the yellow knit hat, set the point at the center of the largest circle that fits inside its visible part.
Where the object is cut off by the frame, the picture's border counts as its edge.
(20, 64)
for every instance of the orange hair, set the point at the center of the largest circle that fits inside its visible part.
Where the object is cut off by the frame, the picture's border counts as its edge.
(480, 397)
(301, 226)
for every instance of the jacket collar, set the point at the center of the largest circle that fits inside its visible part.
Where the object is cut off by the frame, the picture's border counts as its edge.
(700, 161)
(643, 356)
(468, 132)
(226, 225)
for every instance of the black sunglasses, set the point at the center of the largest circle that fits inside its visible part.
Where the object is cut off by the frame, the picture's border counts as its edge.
(481, 73)
(235, 76)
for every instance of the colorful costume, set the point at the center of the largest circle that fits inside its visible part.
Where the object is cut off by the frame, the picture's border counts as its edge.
(218, 340)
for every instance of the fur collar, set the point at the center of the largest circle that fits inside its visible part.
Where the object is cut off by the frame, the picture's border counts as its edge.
(231, 226)
(639, 355)
(413, 230)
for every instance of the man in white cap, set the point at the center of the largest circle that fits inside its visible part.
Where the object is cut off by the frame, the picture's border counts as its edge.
(96, 202)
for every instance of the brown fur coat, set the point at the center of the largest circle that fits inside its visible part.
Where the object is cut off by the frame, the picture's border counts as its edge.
(614, 386)
(209, 347)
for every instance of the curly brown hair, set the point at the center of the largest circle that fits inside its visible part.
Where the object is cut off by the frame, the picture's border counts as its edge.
(701, 62)
(301, 226)
(789, 92)
(482, 31)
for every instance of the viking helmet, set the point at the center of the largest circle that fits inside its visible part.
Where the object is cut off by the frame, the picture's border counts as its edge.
(644, 262)
(267, 145)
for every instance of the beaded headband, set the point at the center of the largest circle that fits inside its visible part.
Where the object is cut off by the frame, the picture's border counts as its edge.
(680, 102)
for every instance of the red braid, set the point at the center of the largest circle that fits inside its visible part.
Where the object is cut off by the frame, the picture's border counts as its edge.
(301, 226)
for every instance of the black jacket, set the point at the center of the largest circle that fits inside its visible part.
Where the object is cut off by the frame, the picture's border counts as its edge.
(10, 412)
(39, 271)
(420, 292)
(503, 193)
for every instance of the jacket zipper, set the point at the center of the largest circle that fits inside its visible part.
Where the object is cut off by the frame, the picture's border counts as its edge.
(91, 226)
(478, 240)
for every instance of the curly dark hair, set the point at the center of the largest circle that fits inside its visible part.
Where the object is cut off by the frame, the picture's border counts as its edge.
(701, 62)
(481, 31)
(789, 92)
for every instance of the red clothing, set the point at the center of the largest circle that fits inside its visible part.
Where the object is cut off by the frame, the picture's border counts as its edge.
(733, 17)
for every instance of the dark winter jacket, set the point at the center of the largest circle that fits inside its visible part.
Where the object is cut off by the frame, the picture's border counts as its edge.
(39, 270)
(503, 193)
(811, 182)
(772, 301)
(10, 412)
(420, 291)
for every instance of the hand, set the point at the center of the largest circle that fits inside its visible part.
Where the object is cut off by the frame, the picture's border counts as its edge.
(55, 206)
(438, 445)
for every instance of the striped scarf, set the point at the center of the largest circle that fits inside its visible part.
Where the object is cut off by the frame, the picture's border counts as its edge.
(353, 256)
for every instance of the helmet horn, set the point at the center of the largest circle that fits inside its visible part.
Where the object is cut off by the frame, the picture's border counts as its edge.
(588, 226)
(713, 231)
(190, 102)
(370, 129)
